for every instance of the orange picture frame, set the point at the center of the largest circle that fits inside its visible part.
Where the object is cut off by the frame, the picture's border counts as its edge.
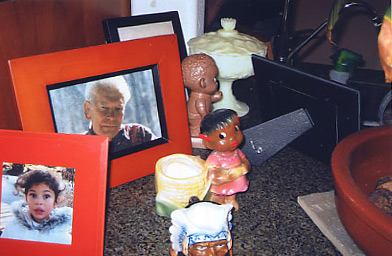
(31, 75)
(88, 156)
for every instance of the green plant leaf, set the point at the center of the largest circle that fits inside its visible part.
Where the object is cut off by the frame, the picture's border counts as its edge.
(333, 18)
(387, 15)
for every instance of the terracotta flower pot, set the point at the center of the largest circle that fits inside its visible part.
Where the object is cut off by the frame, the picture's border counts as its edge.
(358, 161)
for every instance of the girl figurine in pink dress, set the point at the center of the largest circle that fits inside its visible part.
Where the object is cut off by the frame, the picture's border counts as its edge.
(227, 165)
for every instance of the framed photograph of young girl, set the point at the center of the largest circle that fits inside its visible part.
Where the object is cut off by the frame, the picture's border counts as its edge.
(53, 193)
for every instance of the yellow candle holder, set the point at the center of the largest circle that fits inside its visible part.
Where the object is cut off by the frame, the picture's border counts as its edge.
(178, 177)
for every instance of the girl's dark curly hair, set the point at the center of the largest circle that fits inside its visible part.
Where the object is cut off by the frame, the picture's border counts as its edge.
(37, 176)
(217, 120)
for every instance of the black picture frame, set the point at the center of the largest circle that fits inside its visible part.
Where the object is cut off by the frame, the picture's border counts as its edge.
(335, 109)
(112, 28)
(145, 107)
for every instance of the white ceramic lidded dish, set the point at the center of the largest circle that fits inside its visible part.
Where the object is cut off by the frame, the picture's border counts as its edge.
(232, 53)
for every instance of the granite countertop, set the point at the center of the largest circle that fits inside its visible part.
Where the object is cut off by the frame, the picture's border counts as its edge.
(269, 221)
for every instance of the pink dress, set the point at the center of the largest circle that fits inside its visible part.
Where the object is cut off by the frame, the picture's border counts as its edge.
(228, 161)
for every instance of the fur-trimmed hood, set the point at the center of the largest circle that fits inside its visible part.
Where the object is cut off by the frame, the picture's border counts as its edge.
(59, 217)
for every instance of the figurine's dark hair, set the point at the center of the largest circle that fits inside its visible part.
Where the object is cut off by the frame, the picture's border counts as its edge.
(217, 120)
(38, 176)
(193, 200)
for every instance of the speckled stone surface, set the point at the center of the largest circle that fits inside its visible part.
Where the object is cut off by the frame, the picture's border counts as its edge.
(269, 221)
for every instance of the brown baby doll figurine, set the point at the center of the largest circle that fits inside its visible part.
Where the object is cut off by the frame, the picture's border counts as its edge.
(227, 165)
(199, 72)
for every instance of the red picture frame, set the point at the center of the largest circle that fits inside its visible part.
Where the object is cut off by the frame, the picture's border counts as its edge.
(31, 75)
(88, 156)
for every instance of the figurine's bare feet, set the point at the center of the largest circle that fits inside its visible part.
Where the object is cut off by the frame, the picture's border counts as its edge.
(231, 200)
(195, 130)
(220, 199)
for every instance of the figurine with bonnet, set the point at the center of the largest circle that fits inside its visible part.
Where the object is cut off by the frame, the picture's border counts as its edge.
(203, 228)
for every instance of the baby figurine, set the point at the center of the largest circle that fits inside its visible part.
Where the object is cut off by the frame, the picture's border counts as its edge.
(199, 72)
(227, 165)
(203, 228)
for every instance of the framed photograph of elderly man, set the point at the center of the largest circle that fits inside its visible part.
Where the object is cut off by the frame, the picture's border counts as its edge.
(126, 106)
(150, 65)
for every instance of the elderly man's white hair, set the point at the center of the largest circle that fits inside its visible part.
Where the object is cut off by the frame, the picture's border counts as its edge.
(110, 83)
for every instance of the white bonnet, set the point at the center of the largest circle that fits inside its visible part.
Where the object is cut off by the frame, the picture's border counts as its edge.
(201, 222)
